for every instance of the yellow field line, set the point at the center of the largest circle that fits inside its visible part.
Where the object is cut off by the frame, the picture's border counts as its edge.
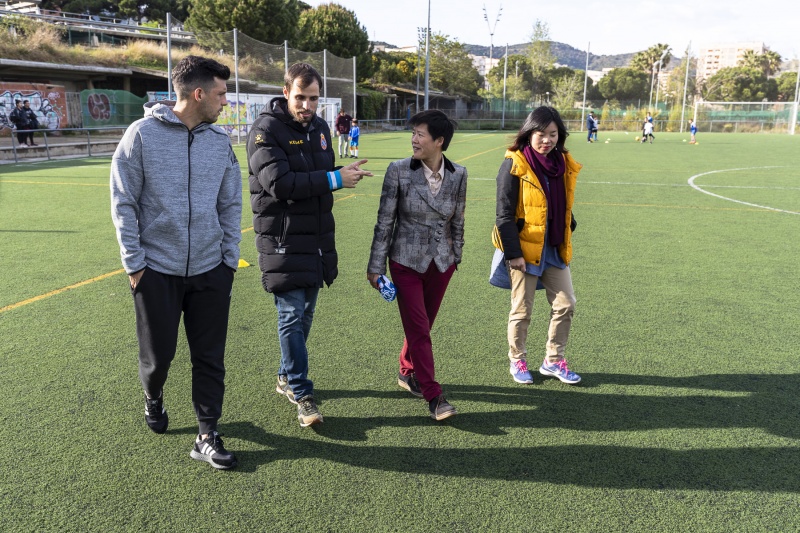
(481, 136)
(59, 291)
(54, 183)
(481, 153)
(99, 278)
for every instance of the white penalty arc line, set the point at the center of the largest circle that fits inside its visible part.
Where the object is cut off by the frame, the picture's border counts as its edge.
(698, 188)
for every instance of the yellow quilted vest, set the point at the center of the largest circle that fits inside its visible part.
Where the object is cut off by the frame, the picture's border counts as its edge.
(532, 207)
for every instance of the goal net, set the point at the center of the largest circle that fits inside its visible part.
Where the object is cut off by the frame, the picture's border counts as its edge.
(746, 117)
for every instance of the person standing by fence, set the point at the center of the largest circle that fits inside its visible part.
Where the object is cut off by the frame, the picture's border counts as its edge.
(19, 117)
(343, 131)
(33, 121)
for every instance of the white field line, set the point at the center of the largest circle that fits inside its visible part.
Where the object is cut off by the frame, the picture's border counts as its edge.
(698, 188)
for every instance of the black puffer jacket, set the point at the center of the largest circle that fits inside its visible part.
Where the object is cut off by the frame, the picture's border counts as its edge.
(292, 200)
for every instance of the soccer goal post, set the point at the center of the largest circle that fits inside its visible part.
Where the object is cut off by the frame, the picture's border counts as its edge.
(746, 117)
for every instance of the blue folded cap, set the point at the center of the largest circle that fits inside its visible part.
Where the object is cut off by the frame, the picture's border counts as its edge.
(386, 288)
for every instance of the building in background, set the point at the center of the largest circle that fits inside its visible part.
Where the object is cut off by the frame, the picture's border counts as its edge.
(716, 56)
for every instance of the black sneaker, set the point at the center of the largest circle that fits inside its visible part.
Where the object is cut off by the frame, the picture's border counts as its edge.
(155, 415)
(307, 412)
(213, 452)
(440, 409)
(283, 388)
(410, 384)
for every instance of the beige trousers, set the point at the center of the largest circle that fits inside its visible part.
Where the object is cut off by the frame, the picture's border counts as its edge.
(558, 289)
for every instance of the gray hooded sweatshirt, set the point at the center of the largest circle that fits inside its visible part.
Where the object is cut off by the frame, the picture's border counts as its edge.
(176, 195)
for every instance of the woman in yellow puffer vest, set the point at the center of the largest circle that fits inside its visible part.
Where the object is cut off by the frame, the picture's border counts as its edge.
(533, 231)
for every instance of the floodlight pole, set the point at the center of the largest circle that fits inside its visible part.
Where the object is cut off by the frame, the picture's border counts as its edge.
(686, 82)
(420, 36)
(658, 80)
(236, 77)
(169, 56)
(585, 85)
(505, 76)
(796, 98)
(660, 62)
(428, 56)
(491, 37)
(652, 78)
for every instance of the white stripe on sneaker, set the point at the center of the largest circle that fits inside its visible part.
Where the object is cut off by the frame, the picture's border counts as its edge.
(208, 450)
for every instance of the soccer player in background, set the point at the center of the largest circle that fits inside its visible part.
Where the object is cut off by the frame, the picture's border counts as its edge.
(355, 132)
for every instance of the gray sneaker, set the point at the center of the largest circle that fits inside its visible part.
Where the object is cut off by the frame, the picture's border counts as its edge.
(410, 384)
(307, 412)
(440, 409)
(283, 388)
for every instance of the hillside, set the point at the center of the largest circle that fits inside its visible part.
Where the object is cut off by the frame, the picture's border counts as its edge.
(565, 55)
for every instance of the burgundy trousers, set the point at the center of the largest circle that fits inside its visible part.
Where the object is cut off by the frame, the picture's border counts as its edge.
(418, 298)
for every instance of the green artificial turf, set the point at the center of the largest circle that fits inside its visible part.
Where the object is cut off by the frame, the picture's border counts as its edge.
(686, 336)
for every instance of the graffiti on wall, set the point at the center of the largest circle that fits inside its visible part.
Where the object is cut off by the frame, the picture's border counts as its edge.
(106, 107)
(47, 101)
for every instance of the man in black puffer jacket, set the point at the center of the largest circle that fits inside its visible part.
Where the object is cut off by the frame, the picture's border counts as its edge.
(292, 179)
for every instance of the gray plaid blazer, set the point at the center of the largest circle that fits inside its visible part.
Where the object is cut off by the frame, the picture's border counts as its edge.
(415, 227)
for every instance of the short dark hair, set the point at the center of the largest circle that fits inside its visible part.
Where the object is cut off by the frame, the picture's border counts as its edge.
(192, 72)
(304, 73)
(538, 120)
(26, 102)
(438, 125)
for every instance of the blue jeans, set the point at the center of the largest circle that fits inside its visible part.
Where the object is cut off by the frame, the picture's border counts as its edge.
(295, 314)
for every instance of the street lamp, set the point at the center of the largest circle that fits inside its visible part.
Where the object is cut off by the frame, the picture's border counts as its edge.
(491, 36)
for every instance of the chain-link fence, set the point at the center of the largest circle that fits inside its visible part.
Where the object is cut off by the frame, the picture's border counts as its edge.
(258, 68)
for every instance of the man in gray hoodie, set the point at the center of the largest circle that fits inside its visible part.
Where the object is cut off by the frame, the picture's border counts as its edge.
(176, 202)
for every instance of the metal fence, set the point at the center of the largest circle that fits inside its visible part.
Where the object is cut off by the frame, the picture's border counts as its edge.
(60, 144)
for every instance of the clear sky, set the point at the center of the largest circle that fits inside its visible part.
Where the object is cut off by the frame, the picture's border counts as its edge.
(612, 27)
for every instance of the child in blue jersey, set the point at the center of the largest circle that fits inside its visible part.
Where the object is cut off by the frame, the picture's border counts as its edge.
(693, 131)
(354, 133)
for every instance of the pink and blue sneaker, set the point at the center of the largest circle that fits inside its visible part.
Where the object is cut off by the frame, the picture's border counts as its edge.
(520, 373)
(559, 370)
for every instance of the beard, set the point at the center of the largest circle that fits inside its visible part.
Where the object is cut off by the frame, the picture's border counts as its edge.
(302, 119)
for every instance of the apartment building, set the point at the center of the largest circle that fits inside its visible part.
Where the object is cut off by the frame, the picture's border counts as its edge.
(717, 56)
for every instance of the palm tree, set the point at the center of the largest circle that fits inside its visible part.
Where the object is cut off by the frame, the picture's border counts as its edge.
(771, 62)
(646, 59)
(751, 59)
(768, 63)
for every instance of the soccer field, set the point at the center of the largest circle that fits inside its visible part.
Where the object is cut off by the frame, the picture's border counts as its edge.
(686, 336)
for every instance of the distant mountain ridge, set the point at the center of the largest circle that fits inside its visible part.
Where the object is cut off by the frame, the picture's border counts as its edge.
(564, 54)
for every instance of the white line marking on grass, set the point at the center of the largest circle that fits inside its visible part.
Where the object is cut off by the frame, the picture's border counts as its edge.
(698, 188)
(686, 185)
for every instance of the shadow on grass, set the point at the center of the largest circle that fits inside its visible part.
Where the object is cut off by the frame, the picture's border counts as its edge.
(767, 402)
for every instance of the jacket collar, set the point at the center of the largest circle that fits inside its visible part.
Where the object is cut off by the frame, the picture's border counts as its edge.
(416, 164)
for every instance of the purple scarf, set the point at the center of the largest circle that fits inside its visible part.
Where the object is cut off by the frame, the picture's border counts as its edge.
(551, 167)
